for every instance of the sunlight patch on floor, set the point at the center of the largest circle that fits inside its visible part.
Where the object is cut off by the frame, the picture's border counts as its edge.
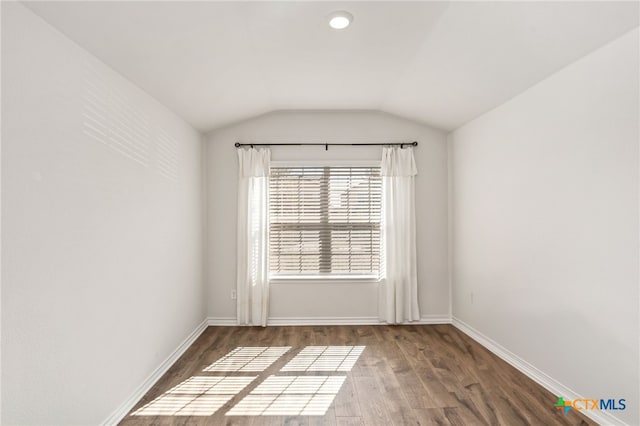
(325, 358)
(290, 396)
(203, 395)
(248, 359)
(196, 396)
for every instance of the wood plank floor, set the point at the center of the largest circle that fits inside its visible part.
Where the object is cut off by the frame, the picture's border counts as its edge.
(406, 375)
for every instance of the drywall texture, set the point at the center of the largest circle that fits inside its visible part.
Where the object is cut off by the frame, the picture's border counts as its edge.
(315, 299)
(545, 220)
(101, 220)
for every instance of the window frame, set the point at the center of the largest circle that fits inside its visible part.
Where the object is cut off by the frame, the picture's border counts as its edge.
(327, 278)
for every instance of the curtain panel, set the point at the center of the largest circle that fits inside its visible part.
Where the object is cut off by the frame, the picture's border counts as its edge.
(253, 236)
(398, 297)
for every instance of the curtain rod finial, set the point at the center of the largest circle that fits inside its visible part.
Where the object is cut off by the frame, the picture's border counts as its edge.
(237, 144)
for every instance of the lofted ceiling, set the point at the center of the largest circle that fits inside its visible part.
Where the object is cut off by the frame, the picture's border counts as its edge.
(440, 63)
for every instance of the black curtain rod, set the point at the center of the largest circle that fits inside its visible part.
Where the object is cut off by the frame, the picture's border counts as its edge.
(326, 145)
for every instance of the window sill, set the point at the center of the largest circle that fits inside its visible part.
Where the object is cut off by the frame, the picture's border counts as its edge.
(324, 279)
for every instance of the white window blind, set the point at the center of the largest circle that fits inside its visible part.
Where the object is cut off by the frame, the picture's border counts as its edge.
(324, 221)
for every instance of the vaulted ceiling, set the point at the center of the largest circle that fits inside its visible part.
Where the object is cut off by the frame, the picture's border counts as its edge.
(440, 63)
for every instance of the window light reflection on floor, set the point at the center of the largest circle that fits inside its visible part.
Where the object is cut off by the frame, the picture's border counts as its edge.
(184, 405)
(196, 396)
(275, 396)
(325, 358)
(224, 385)
(248, 359)
(290, 396)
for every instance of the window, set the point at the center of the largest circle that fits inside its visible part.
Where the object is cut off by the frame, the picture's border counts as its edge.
(324, 221)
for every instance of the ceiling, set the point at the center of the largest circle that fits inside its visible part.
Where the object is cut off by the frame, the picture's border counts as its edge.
(440, 63)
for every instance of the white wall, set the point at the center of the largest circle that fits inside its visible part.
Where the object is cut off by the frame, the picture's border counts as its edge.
(327, 300)
(101, 246)
(545, 219)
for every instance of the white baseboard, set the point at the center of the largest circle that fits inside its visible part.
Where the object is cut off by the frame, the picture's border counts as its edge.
(222, 321)
(434, 319)
(323, 321)
(292, 321)
(546, 381)
(133, 399)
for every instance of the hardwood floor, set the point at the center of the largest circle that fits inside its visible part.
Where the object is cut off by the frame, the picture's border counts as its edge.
(406, 375)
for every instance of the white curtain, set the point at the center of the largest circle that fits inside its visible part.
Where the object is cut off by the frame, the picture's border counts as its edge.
(398, 296)
(253, 225)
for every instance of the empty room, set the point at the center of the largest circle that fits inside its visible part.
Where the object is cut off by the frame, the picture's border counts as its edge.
(320, 213)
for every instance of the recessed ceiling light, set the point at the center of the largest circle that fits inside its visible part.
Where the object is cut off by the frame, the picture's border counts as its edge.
(340, 20)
